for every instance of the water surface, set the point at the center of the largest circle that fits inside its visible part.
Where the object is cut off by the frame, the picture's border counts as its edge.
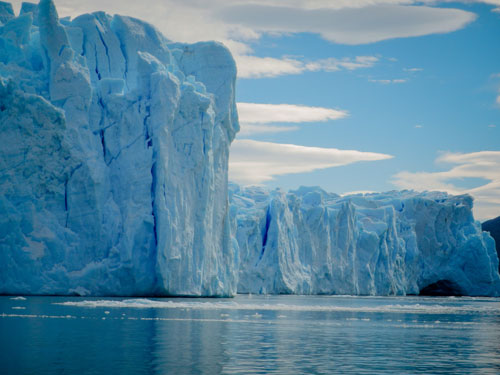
(250, 335)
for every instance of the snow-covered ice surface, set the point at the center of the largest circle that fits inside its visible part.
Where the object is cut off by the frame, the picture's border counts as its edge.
(309, 241)
(113, 158)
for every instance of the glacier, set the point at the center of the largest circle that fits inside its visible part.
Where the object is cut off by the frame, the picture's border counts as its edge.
(114, 147)
(113, 158)
(309, 241)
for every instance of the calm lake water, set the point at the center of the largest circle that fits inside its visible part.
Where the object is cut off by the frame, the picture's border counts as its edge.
(250, 335)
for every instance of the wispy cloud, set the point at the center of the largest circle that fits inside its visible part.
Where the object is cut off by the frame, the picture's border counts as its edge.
(267, 113)
(256, 117)
(251, 129)
(479, 165)
(265, 67)
(491, 2)
(388, 81)
(254, 162)
(358, 192)
(413, 70)
(496, 77)
(333, 64)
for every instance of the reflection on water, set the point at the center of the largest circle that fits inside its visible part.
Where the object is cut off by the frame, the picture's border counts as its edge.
(250, 335)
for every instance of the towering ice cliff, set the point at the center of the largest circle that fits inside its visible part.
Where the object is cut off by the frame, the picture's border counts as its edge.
(114, 145)
(311, 242)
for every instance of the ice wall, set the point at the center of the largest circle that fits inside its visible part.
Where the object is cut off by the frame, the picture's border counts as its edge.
(114, 145)
(311, 242)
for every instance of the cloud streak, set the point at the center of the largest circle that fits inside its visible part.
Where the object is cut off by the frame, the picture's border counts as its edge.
(256, 117)
(333, 64)
(267, 67)
(479, 165)
(258, 113)
(255, 162)
(388, 81)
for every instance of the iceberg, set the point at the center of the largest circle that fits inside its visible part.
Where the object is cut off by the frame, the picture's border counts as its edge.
(309, 241)
(113, 157)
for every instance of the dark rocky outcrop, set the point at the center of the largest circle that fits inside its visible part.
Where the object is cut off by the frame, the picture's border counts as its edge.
(493, 227)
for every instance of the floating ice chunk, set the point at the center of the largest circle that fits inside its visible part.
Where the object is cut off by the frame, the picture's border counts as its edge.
(20, 298)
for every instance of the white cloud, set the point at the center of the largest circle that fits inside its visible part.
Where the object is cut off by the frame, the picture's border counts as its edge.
(488, 2)
(480, 165)
(413, 70)
(258, 113)
(388, 81)
(238, 22)
(255, 117)
(333, 64)
(348, 25)
(247, 129)
(419, 126)
(264, 67)
(496, 76)
(358, 192)
(254, 162)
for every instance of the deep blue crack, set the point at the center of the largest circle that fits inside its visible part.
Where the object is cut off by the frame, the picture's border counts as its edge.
(153, 211)
(266, 231)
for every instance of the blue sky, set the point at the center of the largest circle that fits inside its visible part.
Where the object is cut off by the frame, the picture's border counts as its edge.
(358, 95)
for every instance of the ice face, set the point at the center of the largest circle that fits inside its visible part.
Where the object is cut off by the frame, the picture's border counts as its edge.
(114, 158)
(311, 242)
